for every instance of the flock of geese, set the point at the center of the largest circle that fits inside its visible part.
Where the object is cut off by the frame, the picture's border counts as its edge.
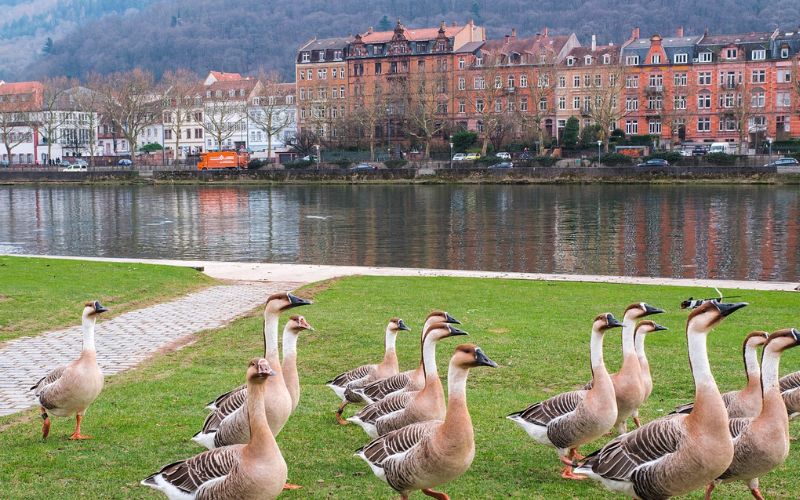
(422, 439)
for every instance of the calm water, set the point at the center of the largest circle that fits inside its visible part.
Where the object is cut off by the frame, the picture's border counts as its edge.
(742, 232)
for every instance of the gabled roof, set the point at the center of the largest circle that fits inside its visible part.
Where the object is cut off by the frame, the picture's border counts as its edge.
(734, 39)
(411, 34)
(580, 53)
(21, 96)
(684, 41)
(326, 43)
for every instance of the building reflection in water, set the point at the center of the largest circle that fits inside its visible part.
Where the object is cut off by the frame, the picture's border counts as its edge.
(734, 232)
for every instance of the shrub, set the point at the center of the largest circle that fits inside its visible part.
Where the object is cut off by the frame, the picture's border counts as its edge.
(720, 159)
(463, 139)
(545, 161)
(614, 159)
(342, 163)
(298, 164)
(571, 131)
(488, 159)
(397, 163)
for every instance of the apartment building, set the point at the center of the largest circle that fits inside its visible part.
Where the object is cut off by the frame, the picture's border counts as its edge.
(321, 80)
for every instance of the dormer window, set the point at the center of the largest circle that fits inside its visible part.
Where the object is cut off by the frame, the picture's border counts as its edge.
(570, 61)
(337, 55)
(758, 55)
(479, 61)
(606, 59)
(731, 53)
(587, 60)
(321, 55)
(631, 60)
(784, 52)
(705, 57)
(305, 57)
(656, 59)
(681, 58)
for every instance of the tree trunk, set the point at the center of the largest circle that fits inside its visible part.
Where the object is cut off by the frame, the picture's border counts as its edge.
(485, 145)
(372, 147)
(269, 145)
(428, 148)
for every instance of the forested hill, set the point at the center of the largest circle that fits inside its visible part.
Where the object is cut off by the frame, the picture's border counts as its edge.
(248, 35)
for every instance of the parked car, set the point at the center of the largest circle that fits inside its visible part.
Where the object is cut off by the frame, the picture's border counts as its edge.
(363, 167)
(309, 158)
(81, 163)
(685, 152)
(654, 162)
(3, 163)
(783, 162)
(502, 165)
(503, 155)
(74, 168)
(124, 162)
(699, 151)
(525, 156)
(472, 156)
(459, 157)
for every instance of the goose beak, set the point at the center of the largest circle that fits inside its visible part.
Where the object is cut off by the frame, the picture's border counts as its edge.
(304, 324)
(450, 319)
(613, 322)
(402, 326)
(483, 360)
(98, 307)
(660, 328)
(648, 309)
(796, 335)
(264, 369)
(455, 331)
(295, 301)
(728, 309)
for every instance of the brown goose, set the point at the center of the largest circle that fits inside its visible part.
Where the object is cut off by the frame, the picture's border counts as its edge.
(70, 389)
(227, 424)
(790, 390)
(571, 419)
(411, 380)
(427, 454)
(291, 331)
(746, 402)
(408, 407)
(761, 444)
(253, 470)
(675, 454)
(344, 384)
(644, 328)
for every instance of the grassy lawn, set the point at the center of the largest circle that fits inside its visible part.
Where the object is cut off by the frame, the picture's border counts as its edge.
(538, 332)
(43, 294)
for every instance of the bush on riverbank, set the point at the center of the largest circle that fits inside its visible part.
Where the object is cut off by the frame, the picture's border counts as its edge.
(722, 159)
(615, 159)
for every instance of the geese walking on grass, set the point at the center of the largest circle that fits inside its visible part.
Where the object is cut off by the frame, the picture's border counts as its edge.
(69, 390)
(643, 329)
(571, 419)
(254, 470)
(425, 455)
(345, 383)
(761, 443)
(675, 454)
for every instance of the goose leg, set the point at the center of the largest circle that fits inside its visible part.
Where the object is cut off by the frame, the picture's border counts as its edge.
(567, 473)
(573, 454)
(754, 489)
(45, 423)
(636, 421)
(77, 434)
(709, 489)
(339, 414)
(436, 494)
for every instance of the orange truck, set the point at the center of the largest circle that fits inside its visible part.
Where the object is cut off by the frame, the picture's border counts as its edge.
(223, 159)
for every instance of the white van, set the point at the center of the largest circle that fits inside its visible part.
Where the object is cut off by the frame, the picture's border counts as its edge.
(722, 147)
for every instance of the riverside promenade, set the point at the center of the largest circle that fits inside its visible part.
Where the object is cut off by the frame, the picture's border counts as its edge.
(128, 339)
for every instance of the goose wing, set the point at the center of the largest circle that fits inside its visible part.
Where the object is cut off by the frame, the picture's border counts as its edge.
(543, 412)
(353, 375)
(738, 426)
(791, 381)
(397, 442)
(48, 379)
(233, 402)
(390, 404)
(727, 398)
(189, 475)
(222, 398)
(382, 388)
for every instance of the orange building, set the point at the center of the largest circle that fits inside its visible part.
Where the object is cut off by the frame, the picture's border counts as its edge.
(321, 79)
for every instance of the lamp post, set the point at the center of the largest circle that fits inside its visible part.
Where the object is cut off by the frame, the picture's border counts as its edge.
(389, 132)
(599, 143)
(769, 143)
(451, 151)
(318, 158)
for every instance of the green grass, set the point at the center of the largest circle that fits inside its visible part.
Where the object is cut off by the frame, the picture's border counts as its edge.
(538, 332)
(43, 294)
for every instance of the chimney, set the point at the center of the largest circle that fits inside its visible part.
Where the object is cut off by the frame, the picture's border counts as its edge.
(635, 33)
(507, 38)
(544, 33)
(594, 43)
(513, 32)
(655, 41)
(679, 32)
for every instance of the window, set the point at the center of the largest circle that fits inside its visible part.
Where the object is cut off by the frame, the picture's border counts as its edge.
(587, 60)
(479, 61)
(631, 60)
(542, 104)
(498, 82)
(378, 68)
(510, 81)
(587, 104)
(462, 106)
(341, 94)
(341, 73)
(598, 80)
(479, 105)
(562, 103)
(704, 101)
(523, 104)
(306, 57)
(168, 134)
(309, 74)
(654, 127)
(731, 53)
(680, 79)
(187, 133)
(570, 61)
(728, 124)
(302, 94)
(656, 81)
(198, 133)
(704, 78)
(322, 74)
(587, 80)
(562, 82)
(784, 75)
(576, 102)
(612, 80)
(704, 57)
(461, 63)
(680, 58)
(757, 99)
(478, 83)
(758, 122)
(654, 102)
(302, 75)
(462, 83)
(784, 99)
(606, 59)
(523, 81)
(498, 105)
(632, 82)
(576, 81)
(784, 52)
(631, 127)
(758, 55)
(727, 100)
(782, 123)
(337, 55)
(759, 76)
(333, 73)
(680, 102)
(704, 124)
(656, 59)
(631, 104)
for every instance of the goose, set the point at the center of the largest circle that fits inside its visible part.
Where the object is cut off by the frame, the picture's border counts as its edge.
(570, 419)
(253, 470)
(344, 383)
(411, 380)
(70, 389)
(291, 332)
(761, 444)
(407, 407)
(424, 455)
(679, 453)
(746, 402)
(790, 390)
(644, 328)
(227, 424)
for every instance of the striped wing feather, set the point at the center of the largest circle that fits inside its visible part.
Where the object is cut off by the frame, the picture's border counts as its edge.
(48, 379)
(687, 408)
(353, 375)
(399, 441)
(229, 405)
(791, 381)
(545, 411)
(738, 426)
(189, 475)
(382, 388)
(222, 398)
(392, 403)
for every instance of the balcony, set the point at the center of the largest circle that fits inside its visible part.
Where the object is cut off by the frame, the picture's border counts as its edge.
(729, 85)
(654, 89)
(510, 90)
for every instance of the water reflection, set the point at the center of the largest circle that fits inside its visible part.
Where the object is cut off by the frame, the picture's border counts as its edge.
(742, 232)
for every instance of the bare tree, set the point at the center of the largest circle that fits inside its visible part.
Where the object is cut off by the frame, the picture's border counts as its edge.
(15, 128)
(88, 101)
(131, 102)
(739, 103)
(426, 111)
(269, 111)
(224, 115)
(181, 88)
(54, 110)
(541, 80)
(367, 115)
(606, 109)
(489, 99)
(675, 109)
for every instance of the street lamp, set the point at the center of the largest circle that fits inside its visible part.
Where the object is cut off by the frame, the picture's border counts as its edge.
(769, 142)
(318, 158)
(451, 151)
(389, 132)
(599, 143)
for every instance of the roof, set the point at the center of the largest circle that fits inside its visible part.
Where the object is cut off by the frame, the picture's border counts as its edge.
(326, 43)
(243, 83)
(221, 76)
(469, 47)
(684, 41)
(736, 38)
(12, 94)
(580, 53)
(20, 88)
(411, 34)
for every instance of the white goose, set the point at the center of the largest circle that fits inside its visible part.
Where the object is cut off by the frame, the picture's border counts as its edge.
(427, 454)
(70, 389)
(345, 383)
(254, 470)
(571, 419)
(407, 407)
(761, 444)
(675, 454)
(228, 423)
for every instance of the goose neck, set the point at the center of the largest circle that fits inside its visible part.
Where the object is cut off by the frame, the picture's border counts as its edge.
(751, 364)
(773, 406)
(698, 358)
(429, 357)
(639, 345)
(596, 350)
(261, 437)
(87, 327)
(457, 423)
(390, 341)
(628, 331)
(271, 337)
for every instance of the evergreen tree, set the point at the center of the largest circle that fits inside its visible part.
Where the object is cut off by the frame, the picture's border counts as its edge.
(475, 10)
(48, 46)
(384, 25)
(571, 130)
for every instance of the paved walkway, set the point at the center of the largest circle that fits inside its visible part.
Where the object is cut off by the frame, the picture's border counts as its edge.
(127, 339)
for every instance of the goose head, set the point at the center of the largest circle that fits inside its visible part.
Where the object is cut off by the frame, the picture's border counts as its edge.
(297, 324)
(646, 326)
(442, 330)
(441, 317)
(258, 370)
(783, 339)
(92, 309)
(283, 301)
(471, 356)
(710, 313)
(755, 339)
(397, 325)
(605, 321)
(640, 310)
